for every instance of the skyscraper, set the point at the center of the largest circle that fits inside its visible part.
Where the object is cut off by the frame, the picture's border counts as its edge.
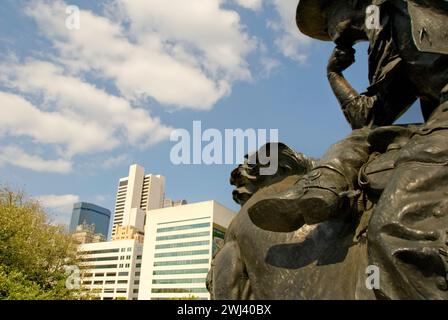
(179, 245)
(88, 213)
(136, 194)
(85, 233)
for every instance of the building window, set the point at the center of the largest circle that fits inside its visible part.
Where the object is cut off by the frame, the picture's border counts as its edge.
(136, 281)
(110, 282)
(182, 253)
(122, 281)
(178, 281)
(128, 257)
(111, 274)
(97, 282)
(185, 227)
(139, 257)
(182, 244)
(123, 274)
(138, 265)
(178, 290)
(123, 183)
(109, 290)
(100, 251)
(129, 249)
(171, 222)
(99, 259)
(180, 271)
(183, 236)
(180, 262)
(106, 266)
(218, 233)
(87, 282)
(137, 274)
(127, 265)
(135, 291)
(121, 290)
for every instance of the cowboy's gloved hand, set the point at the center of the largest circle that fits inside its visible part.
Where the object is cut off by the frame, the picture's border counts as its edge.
(341, 59)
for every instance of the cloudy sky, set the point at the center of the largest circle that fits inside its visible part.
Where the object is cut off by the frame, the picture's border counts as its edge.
(78, 106)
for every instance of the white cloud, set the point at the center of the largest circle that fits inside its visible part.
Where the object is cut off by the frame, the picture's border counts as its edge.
(85, 118)
(250, 4)
(117, 161)
(269, 66)
(101, 199)
(18, 157)
(18, 117)
(59, 206)
(63, 203)
(291, 42)
(182, 53)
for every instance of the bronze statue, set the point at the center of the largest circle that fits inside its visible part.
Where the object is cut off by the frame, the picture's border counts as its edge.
(388, 183)
(323, 261)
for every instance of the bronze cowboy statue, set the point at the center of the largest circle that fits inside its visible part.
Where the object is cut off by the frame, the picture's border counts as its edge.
(384, 187)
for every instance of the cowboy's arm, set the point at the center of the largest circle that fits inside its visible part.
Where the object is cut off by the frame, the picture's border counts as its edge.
(356, 107)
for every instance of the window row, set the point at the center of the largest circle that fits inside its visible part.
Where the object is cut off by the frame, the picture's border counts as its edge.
(180, 271)
(184, 227)
(182, 244)
(177, 221)
(180, 262)
(183, 236)
(101, 282)
(99, 259)
(178, 281)
(111, 274)
(100, 251)
(178, 290)
(181, 253)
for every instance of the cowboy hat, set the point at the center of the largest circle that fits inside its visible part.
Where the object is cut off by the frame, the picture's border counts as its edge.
(311, 19)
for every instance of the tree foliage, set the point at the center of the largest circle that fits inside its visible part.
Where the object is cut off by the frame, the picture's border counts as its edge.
(33, 252)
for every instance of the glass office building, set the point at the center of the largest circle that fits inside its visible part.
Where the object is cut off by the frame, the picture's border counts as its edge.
(179, 244)
(91, 214)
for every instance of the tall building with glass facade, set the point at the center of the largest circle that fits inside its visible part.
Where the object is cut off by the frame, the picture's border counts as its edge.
(88, 213)
(179, 244)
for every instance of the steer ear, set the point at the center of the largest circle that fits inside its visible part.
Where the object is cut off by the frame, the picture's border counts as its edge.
(291, 162)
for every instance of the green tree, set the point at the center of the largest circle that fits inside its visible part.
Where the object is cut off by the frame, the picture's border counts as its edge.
(33, 252)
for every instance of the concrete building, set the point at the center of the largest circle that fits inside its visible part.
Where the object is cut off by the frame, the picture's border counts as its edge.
(171, 203)
(85, 233)
(89, 213)
(111, 269)
(179, 244)
(128, 233)
(137, 193)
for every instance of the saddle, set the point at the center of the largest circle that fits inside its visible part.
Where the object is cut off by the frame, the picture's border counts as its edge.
(385, 142)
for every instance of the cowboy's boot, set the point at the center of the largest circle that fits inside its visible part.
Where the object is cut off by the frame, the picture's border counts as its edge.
(325, 192)
(319, 196)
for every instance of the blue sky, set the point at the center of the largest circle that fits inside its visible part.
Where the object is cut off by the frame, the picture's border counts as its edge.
(77, 107)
